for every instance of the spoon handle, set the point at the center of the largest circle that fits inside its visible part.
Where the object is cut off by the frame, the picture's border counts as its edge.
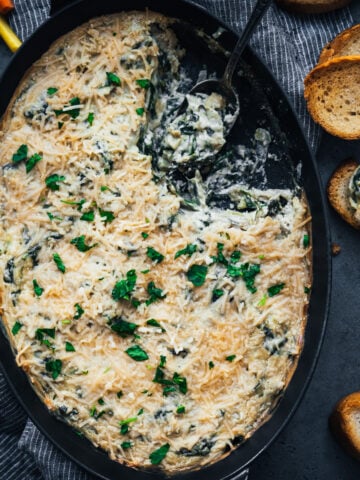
(256, 16)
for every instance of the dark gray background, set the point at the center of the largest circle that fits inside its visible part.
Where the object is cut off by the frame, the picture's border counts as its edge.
(305, 450)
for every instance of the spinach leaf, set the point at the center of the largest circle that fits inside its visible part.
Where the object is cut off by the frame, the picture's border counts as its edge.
(137, 353)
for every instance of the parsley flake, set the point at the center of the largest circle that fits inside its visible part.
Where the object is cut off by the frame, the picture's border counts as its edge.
(216, 294)
(180, 382)
(211, 365)
(143, 83)
(154, 255)
(90, 118)
(37, 289)
(230, 358)
(180, 409)
(140, 111)
(106, 216)
(154, 292)
(126, 445)
(188, 250)
(275, 289)
(144, 235)
(72, 202)
(69, 347)
(157, 456)
(124, 288)
(306, 241)
(21, 154)
(59, 262)
(137, 353)
(154, 323)
(54, 367)
(80, 244)
(51, 91)
(88, 216)
(16, 328)
(79, 311)
(122, 327)
(197, 274)
(33, 160)
(113, 79)
(247, 271)
(52, 181)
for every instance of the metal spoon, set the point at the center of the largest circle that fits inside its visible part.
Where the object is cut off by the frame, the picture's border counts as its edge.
(224, 85)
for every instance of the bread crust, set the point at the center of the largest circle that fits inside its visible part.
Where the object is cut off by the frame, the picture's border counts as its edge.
(334, 47)
(301, 6)
(315, 107)
(344, 426)
(338, 191)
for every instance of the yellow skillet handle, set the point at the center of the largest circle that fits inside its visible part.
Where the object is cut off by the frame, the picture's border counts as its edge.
(9, 37)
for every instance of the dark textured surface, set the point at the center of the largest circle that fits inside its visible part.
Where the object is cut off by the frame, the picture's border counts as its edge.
(305, 450)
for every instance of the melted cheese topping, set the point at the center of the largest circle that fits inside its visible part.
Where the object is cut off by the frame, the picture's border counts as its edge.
(164, 335)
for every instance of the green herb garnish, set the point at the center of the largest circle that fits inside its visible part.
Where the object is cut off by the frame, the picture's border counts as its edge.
(53, 217)
(180, 409)
(59, 262)
(90, 118)
(306, 241)
(52, 90)
(275, 289)
(154, 255)
(106, 216)
(69, 347)
(180, 382)
(188, 250)
(144, 235)
(122, 327)
(247, 271)
(119, 394)
(143, 83)
(220, 257)
(88, 216)
(230, 358)
(157, 456)
(126, 445)
(80, 244)
(21, 154)
(307, 290)
(140, 111)
(154, 292)
(52, 181)
(197, 274)
(54, 367)
(72, 202)
(79, 311)
(113, 79)
(155, 323)
(262, 301)
(137, 353)
(216, 294)
(37, 289)
(33, 160)
(211, 365)
(16, 328)
(124, 288)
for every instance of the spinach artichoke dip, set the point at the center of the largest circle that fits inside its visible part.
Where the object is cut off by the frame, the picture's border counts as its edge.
(159, 323)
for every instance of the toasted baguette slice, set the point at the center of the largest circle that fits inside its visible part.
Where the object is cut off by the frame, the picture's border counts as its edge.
(347, 43)
(332, 92)
(345, 423)
(312, 6)
(338, 191)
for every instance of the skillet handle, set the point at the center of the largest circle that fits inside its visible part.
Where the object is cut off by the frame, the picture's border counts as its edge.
(56, 5)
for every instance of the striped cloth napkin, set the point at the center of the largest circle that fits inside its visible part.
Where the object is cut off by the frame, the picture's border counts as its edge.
(290, 46)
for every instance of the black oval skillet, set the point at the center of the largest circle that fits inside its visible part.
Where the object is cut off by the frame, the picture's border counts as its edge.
(263, 104)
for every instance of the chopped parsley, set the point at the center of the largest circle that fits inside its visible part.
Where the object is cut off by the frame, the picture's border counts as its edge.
(154, 323)
(101, 401)
(247, 271)
(154, 255)
(306, 241)
(126, 445)
(106, 216)
(16, 328)
(144, 235)
(33, 160)
(79, 311)
(37, 289)
(262, 301)
(140, 111)
(79, 204)
(119, 394)
(52, 90)
(21, 154)
(90, 118)
(307, 290)
(157, 456)
(275, 289)
(154, 292)
(180, 382)
(122, 327)
(211, 365)
(180, 409)
(220, 257)
(124, 288)
(54, 367)
(197, 274)
(52, 181)
(137, 353)
(162, 361)
(59, 263)
(42, 333)
(113, 79)
(80, 244)
(53, 217)
(216, 294)
(230, 358)
(188, 250)
(143, 83)
(94, 413)
(72, 112)
(88, 216)
(60, 124)
(69, 347)
(235, 256)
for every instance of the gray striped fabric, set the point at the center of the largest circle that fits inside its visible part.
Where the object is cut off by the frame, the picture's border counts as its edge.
(290, 46)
